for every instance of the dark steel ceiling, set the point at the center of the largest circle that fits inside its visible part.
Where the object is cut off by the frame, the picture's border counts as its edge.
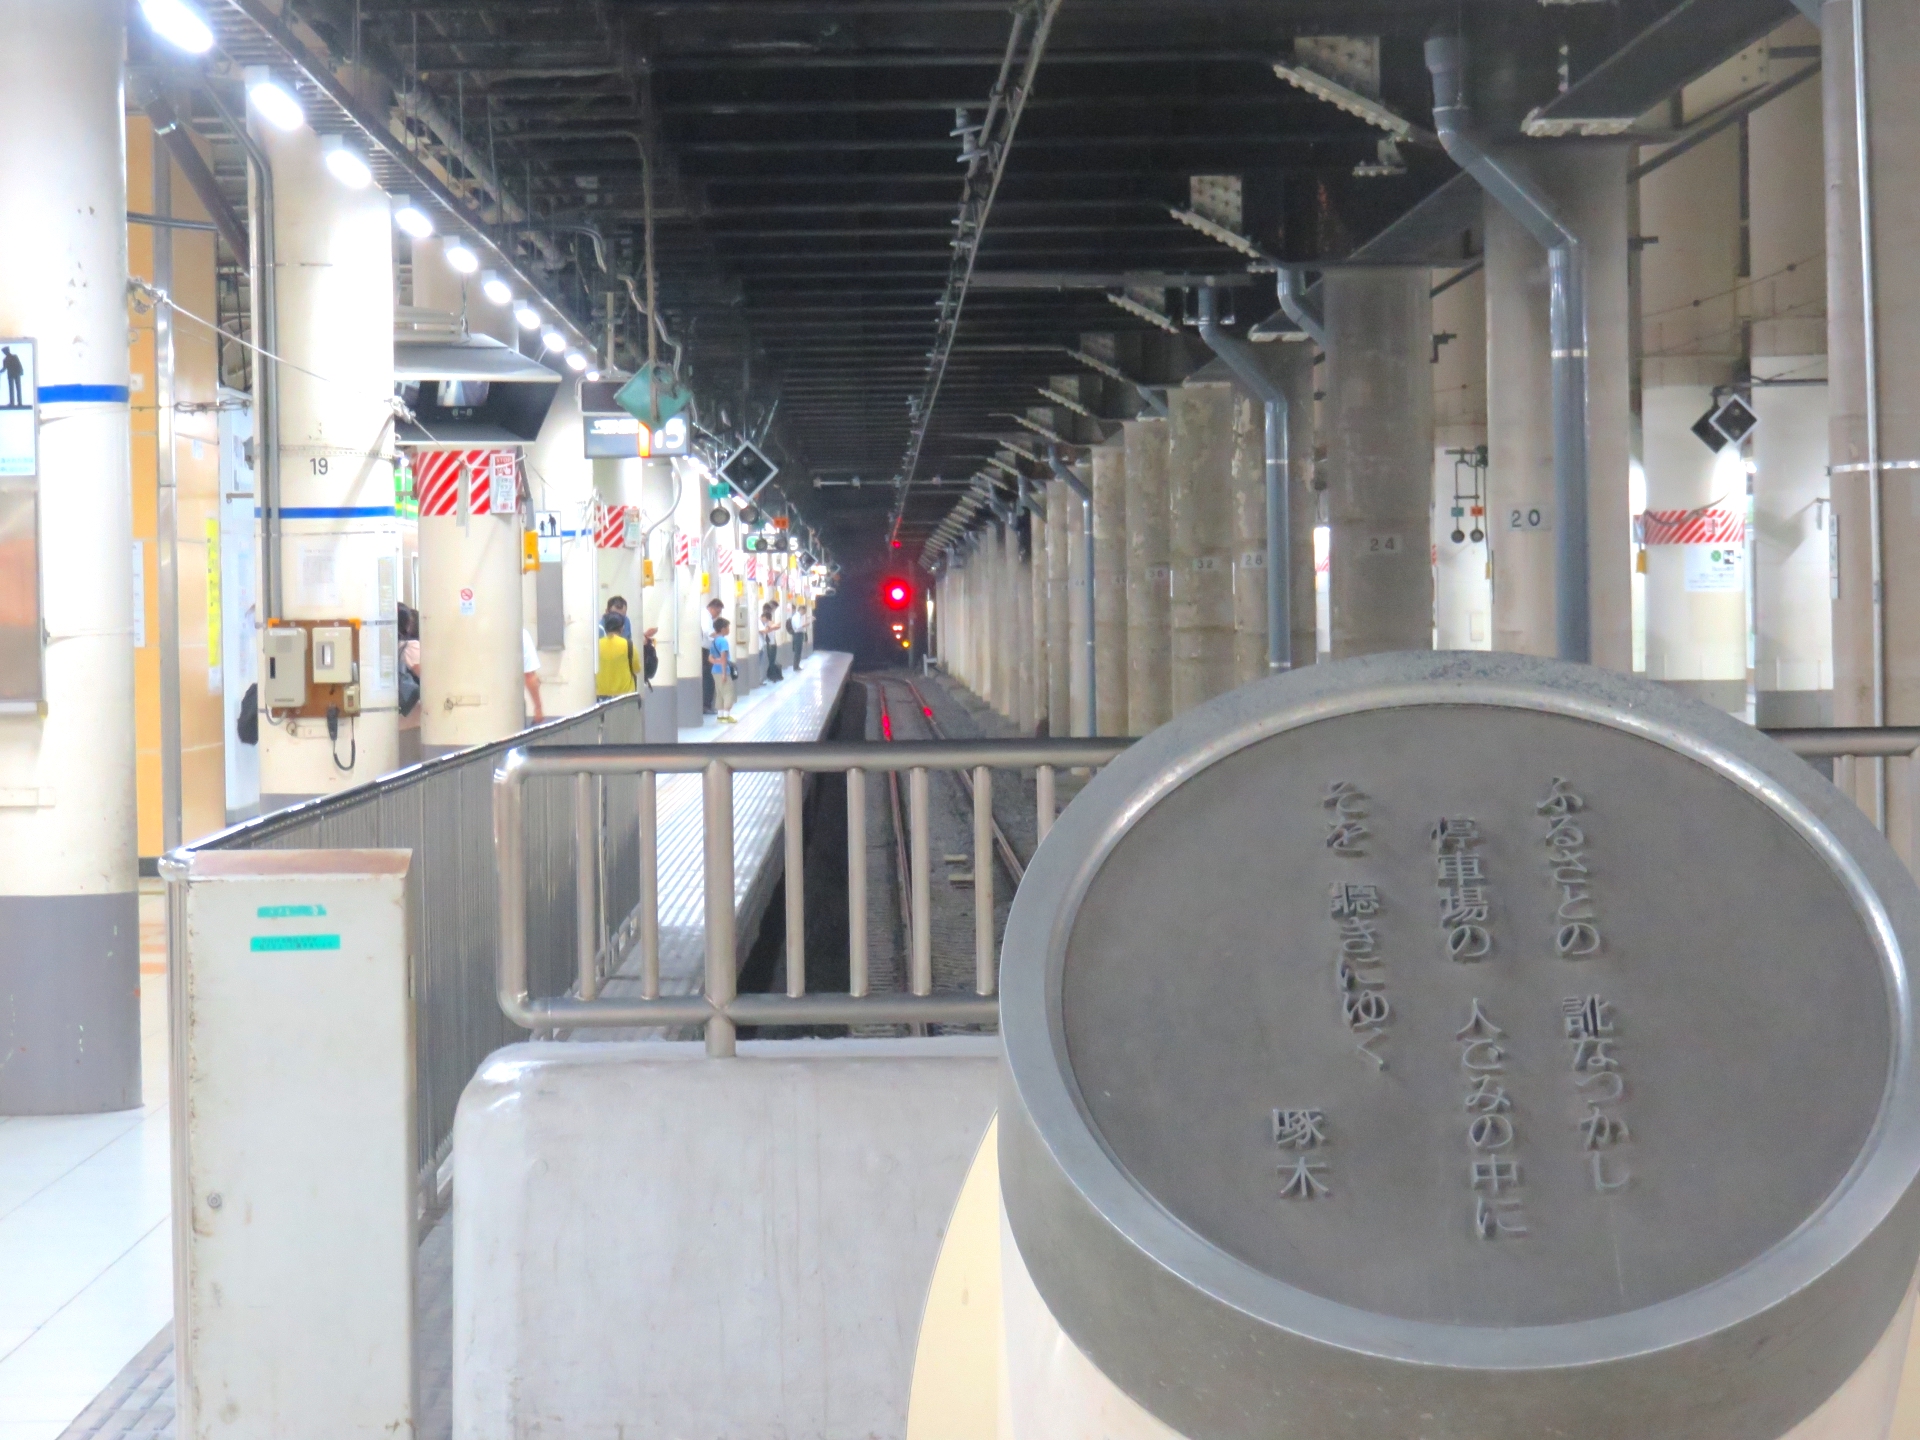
(808, 182)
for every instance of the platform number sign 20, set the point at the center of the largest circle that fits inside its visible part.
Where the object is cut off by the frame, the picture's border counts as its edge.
(1529, 517)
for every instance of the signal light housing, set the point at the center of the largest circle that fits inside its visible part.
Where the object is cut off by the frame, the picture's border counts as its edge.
(896, 594)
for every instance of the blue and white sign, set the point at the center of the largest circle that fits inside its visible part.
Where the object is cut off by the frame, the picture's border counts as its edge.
(19, 410)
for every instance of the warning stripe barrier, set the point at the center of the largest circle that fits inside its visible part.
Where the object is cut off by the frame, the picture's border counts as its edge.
(611, 529)
(1709, 526)
(436, 478)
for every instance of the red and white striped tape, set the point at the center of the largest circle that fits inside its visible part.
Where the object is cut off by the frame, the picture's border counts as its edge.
(611, 530)
(436, 478)
(1709, 526)
(725, 562)
(683, 550)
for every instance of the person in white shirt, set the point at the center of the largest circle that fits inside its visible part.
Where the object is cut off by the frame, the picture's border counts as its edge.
(530, 669)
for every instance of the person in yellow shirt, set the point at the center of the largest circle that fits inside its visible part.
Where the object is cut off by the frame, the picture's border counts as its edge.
(618, 671)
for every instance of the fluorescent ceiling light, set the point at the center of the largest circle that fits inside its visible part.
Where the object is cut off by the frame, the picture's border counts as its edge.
(179, 24)
(411, 218)
(274, 99)
(526, 317)
(345, 163)
(554, 341)
(576, 361)
(496, 290)
(461, 257)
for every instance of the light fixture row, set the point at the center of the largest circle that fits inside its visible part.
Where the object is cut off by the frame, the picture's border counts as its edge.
(277, 102)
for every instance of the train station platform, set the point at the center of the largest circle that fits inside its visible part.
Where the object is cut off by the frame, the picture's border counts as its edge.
(85, 1344)
(797, 709)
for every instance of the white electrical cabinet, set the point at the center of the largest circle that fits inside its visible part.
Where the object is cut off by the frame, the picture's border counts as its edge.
(294, 1172)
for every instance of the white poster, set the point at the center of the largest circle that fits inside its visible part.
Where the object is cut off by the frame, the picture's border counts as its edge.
(1712, 569)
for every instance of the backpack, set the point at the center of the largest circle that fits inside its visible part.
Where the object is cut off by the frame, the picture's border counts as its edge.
(246, 724)
(409, 690)
(652, 662)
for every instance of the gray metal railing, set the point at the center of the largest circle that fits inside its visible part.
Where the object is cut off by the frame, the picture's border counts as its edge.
(719, 1008)
(441, 810)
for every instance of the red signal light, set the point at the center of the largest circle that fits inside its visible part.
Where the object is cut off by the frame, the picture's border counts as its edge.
(896, 594)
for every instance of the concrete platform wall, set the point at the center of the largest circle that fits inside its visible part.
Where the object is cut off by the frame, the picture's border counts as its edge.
(653, 1245)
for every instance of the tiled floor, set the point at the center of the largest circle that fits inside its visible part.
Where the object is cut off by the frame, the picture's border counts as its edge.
(86, 1270)
(84, 1243)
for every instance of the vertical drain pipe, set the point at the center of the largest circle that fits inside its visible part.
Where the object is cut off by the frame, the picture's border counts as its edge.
(1294, 306)
(1237, 355)
(1870, 336)
(1573, 625)
(1063, 472)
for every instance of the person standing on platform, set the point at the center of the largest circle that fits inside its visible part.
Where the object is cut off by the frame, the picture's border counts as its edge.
(530, 671)
(618, 667)
(720, 654)
(770, 642)
(707, 622)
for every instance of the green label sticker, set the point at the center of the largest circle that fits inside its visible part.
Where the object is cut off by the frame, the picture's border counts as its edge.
(283, 912)
(295, 942)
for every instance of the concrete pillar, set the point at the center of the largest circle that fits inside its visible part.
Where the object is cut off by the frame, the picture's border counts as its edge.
(1792, 608)
(1110, 586)
(1380, 454)
(1892, 43)
(1041, 676)
(1696, 605)
(560, 479)
(1027, 662)
(1007, 621)
(472, 598)
(1060, 523)
(658, 603)
(1294, 369)
(1080, 678)
(69, 963)
(1249, 500)
(1199, 494)
(1462, 569)
(1588, 185)
(1149, 572)
(1519, 438)
(689, 525)
(340, 538)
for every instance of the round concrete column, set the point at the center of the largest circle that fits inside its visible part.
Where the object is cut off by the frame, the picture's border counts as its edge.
(1007, 621)
(561, 481)
(1079, 678)
(1199, 493)
(340, 537)
(1026, 642)
(1040, 676)
(1110, 586)
(1588, 186)
(69, 963)
(1249, 501)
(1149, 560)
(1792, 605)
(689, 526)
(658, 603)
(1462, 569)
(1380, 453)
(1060, 523)
(473, 600)
(1696, 605)
(1294, 369)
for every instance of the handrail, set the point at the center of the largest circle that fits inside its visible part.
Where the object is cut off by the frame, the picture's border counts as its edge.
(719, 1009)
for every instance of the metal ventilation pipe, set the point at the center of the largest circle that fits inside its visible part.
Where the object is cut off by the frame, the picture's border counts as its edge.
(1294, 306)
(1064, 473)
(1573, 625)
(1238, 356)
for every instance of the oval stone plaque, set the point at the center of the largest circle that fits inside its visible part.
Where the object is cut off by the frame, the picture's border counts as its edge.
(1461, 1046)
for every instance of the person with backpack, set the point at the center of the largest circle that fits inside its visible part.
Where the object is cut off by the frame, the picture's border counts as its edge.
(618, 667)
(722, 652)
